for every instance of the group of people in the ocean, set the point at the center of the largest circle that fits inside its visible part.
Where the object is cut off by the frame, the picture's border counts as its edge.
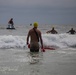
(35, 36)
(53, 31)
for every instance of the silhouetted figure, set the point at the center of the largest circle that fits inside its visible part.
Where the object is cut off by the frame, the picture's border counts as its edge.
(11, 23)
(72, 31)
(53, 31)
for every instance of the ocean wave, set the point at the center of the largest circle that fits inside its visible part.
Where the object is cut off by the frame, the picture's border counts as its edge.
(10, 41)
(60, 40)
(49, 40)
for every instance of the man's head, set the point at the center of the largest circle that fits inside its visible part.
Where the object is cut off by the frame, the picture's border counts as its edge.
(71, 28)
(11, 18)
(52, 28)
(35, 24)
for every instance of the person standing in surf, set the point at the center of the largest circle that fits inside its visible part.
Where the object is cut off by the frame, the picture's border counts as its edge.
(11, 23)
(35, 36)
(53, 31)
(72, 31)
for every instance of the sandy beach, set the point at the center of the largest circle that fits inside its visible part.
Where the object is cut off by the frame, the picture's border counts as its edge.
(54, 62)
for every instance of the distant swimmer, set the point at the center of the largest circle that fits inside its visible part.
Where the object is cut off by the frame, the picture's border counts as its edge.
(11, 23)
(53, 31)
(72, 31)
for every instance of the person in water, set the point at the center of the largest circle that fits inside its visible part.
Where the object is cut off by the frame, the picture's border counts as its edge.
(72, 31)
(11, 23)
(34, 34)
(53, 31)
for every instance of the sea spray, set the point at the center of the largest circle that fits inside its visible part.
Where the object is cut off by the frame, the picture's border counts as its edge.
(49, 40)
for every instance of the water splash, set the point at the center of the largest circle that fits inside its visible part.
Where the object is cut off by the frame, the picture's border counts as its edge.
(49, 40)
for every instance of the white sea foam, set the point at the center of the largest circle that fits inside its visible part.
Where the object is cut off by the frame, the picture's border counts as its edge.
(11, 41)
(57, 40)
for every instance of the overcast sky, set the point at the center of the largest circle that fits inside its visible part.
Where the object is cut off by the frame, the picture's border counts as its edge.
(42, 11)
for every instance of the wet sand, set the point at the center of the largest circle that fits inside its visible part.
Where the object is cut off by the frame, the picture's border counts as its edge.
(20, 62)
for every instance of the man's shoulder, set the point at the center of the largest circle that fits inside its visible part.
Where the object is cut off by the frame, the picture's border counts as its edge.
(38, 29)
(31, 29)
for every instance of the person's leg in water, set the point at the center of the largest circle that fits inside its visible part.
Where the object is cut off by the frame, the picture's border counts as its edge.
(12, 26)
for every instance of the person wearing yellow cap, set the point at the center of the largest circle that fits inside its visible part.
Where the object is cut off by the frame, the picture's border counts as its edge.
(35, 36)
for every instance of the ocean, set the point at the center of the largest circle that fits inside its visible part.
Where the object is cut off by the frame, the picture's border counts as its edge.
(17, 38)
(15, 58)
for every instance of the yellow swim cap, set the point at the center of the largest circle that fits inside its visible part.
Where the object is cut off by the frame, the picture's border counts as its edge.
(35, 24)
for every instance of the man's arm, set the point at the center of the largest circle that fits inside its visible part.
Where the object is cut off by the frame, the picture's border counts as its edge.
(41, 41)
(68, 31)
(56, 32)
(28, 38)
(48, 31)
(74, 31)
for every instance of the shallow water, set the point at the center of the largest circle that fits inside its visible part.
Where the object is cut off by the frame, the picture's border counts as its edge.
(15, 58)
(54, 62)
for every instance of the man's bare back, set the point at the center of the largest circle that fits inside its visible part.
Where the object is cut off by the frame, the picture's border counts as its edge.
(33, 36)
